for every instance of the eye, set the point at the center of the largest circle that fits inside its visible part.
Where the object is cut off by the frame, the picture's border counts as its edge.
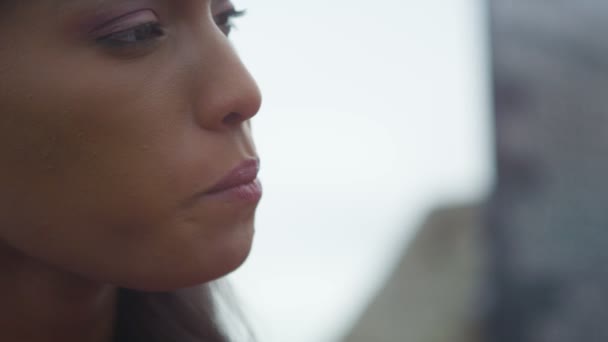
(139, 34)
(224, 20)
(132, 30)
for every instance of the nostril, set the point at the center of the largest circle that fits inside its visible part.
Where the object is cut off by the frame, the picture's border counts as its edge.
(232, 118)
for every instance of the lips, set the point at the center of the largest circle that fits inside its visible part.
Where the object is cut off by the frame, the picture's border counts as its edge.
(243, 175)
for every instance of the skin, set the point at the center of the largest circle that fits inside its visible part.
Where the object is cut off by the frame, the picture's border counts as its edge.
(103, 150)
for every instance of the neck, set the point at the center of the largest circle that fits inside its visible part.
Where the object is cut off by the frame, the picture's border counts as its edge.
(43, 304)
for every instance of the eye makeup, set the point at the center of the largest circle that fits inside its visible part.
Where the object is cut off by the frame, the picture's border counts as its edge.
(130, 35)
(126, 22)
(83, 18)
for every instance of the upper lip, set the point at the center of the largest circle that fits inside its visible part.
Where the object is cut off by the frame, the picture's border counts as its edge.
(245, 173)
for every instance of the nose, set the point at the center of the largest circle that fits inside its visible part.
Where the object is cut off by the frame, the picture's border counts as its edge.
(227, 95)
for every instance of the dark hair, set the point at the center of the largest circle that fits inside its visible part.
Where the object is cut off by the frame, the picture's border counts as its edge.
(188, 315)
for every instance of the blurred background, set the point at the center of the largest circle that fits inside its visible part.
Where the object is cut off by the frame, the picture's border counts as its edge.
(435, 171)
(375, 113)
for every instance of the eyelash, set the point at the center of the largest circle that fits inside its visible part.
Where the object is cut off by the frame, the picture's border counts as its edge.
(152, 31)
(139, 34)
(224, 20)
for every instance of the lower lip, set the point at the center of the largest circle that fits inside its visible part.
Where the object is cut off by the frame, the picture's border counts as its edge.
(250, 193)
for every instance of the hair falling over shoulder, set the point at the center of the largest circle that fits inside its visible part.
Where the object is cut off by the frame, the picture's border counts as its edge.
(188, 315)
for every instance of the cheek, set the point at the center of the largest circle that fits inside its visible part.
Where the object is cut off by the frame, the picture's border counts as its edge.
(93, 174)
(72, 143)
(97, 158)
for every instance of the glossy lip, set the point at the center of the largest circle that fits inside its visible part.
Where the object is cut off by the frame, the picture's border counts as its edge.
(241, 184)
(245, 173)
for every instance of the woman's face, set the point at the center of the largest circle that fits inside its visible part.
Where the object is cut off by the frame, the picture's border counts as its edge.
(117, 117)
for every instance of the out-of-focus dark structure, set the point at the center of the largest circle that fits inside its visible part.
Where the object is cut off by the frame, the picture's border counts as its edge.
(535, 268)
(548, 219)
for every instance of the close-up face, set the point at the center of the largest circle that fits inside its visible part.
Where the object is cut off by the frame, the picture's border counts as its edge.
(124, 137)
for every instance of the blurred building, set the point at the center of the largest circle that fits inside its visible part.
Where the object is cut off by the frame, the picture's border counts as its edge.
(432, 295)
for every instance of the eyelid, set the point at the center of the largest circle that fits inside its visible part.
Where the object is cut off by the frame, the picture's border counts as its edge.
(126, 22)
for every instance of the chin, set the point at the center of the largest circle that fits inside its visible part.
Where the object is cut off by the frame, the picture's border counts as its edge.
(217, 261)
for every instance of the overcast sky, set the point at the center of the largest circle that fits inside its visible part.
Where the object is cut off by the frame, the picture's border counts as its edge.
(374, 112)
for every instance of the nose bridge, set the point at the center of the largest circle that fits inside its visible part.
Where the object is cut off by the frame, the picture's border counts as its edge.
(226, 95)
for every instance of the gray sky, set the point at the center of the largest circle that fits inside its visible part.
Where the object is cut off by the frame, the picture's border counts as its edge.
(374, 112)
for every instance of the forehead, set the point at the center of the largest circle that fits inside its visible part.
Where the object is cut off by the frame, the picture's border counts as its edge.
(101, 3)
